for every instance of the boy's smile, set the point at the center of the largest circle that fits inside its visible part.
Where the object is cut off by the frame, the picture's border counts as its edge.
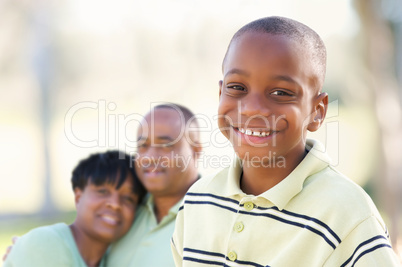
(268, 96)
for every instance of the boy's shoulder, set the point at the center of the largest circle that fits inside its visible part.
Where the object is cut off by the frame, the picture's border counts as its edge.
(205, 185)
(326, 191)
(330, 191)
(332, 184)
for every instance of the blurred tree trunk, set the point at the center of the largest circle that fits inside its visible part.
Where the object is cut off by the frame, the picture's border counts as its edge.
(41, 47)
(381, 52)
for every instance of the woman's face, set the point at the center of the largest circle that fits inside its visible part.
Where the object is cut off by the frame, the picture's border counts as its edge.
(104, 212)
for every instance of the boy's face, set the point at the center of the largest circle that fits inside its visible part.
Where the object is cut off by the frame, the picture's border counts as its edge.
(105, 213)
(165, 156)
(268, 97)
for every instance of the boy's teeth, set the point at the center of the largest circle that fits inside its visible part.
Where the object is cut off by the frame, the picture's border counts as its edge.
(253, 133)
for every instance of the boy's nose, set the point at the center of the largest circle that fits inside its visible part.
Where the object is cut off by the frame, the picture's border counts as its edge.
(254, 105)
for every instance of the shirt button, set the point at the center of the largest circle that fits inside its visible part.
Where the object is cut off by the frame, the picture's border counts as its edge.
(232, 256)
(239, 227)
(249, 206)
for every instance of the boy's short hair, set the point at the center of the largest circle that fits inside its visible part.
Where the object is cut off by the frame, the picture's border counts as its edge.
(110, 167)
(295, 30)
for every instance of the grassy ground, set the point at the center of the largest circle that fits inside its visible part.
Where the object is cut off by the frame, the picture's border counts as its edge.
(19, 225)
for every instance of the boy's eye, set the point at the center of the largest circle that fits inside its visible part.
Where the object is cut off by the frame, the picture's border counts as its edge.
(236, 87)
(280, 93)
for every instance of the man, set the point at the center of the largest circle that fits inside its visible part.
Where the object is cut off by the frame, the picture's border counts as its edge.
(168, 149)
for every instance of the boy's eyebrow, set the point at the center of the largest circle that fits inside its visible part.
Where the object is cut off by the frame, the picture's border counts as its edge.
(285, 78)
(288, 79)
(237, 71)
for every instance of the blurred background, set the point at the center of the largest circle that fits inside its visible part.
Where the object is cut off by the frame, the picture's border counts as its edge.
(77, 76)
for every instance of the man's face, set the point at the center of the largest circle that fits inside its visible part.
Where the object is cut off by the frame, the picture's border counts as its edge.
(266, 96)
(165, 156)
(104, 212)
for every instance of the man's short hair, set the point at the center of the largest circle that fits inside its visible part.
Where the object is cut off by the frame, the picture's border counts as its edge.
(188, 115)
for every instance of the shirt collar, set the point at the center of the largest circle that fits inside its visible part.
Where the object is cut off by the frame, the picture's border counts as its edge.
(228, 181)
(149, 204)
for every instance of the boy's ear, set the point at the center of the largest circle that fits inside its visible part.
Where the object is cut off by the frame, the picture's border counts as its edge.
(220, 88)
(320, 107)
(77, 195)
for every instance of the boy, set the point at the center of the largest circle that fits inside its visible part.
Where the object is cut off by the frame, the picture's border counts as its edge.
(280, 203)
(106, 191)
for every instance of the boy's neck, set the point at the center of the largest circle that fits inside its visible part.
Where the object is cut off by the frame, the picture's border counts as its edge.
(91, 250)
(256, 180)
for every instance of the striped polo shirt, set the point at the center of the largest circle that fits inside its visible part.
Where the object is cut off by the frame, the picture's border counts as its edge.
(314, 217)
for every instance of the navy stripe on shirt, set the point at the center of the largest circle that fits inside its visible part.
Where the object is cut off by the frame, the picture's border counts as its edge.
(365, 247)
(283, 216)
(213, 258)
